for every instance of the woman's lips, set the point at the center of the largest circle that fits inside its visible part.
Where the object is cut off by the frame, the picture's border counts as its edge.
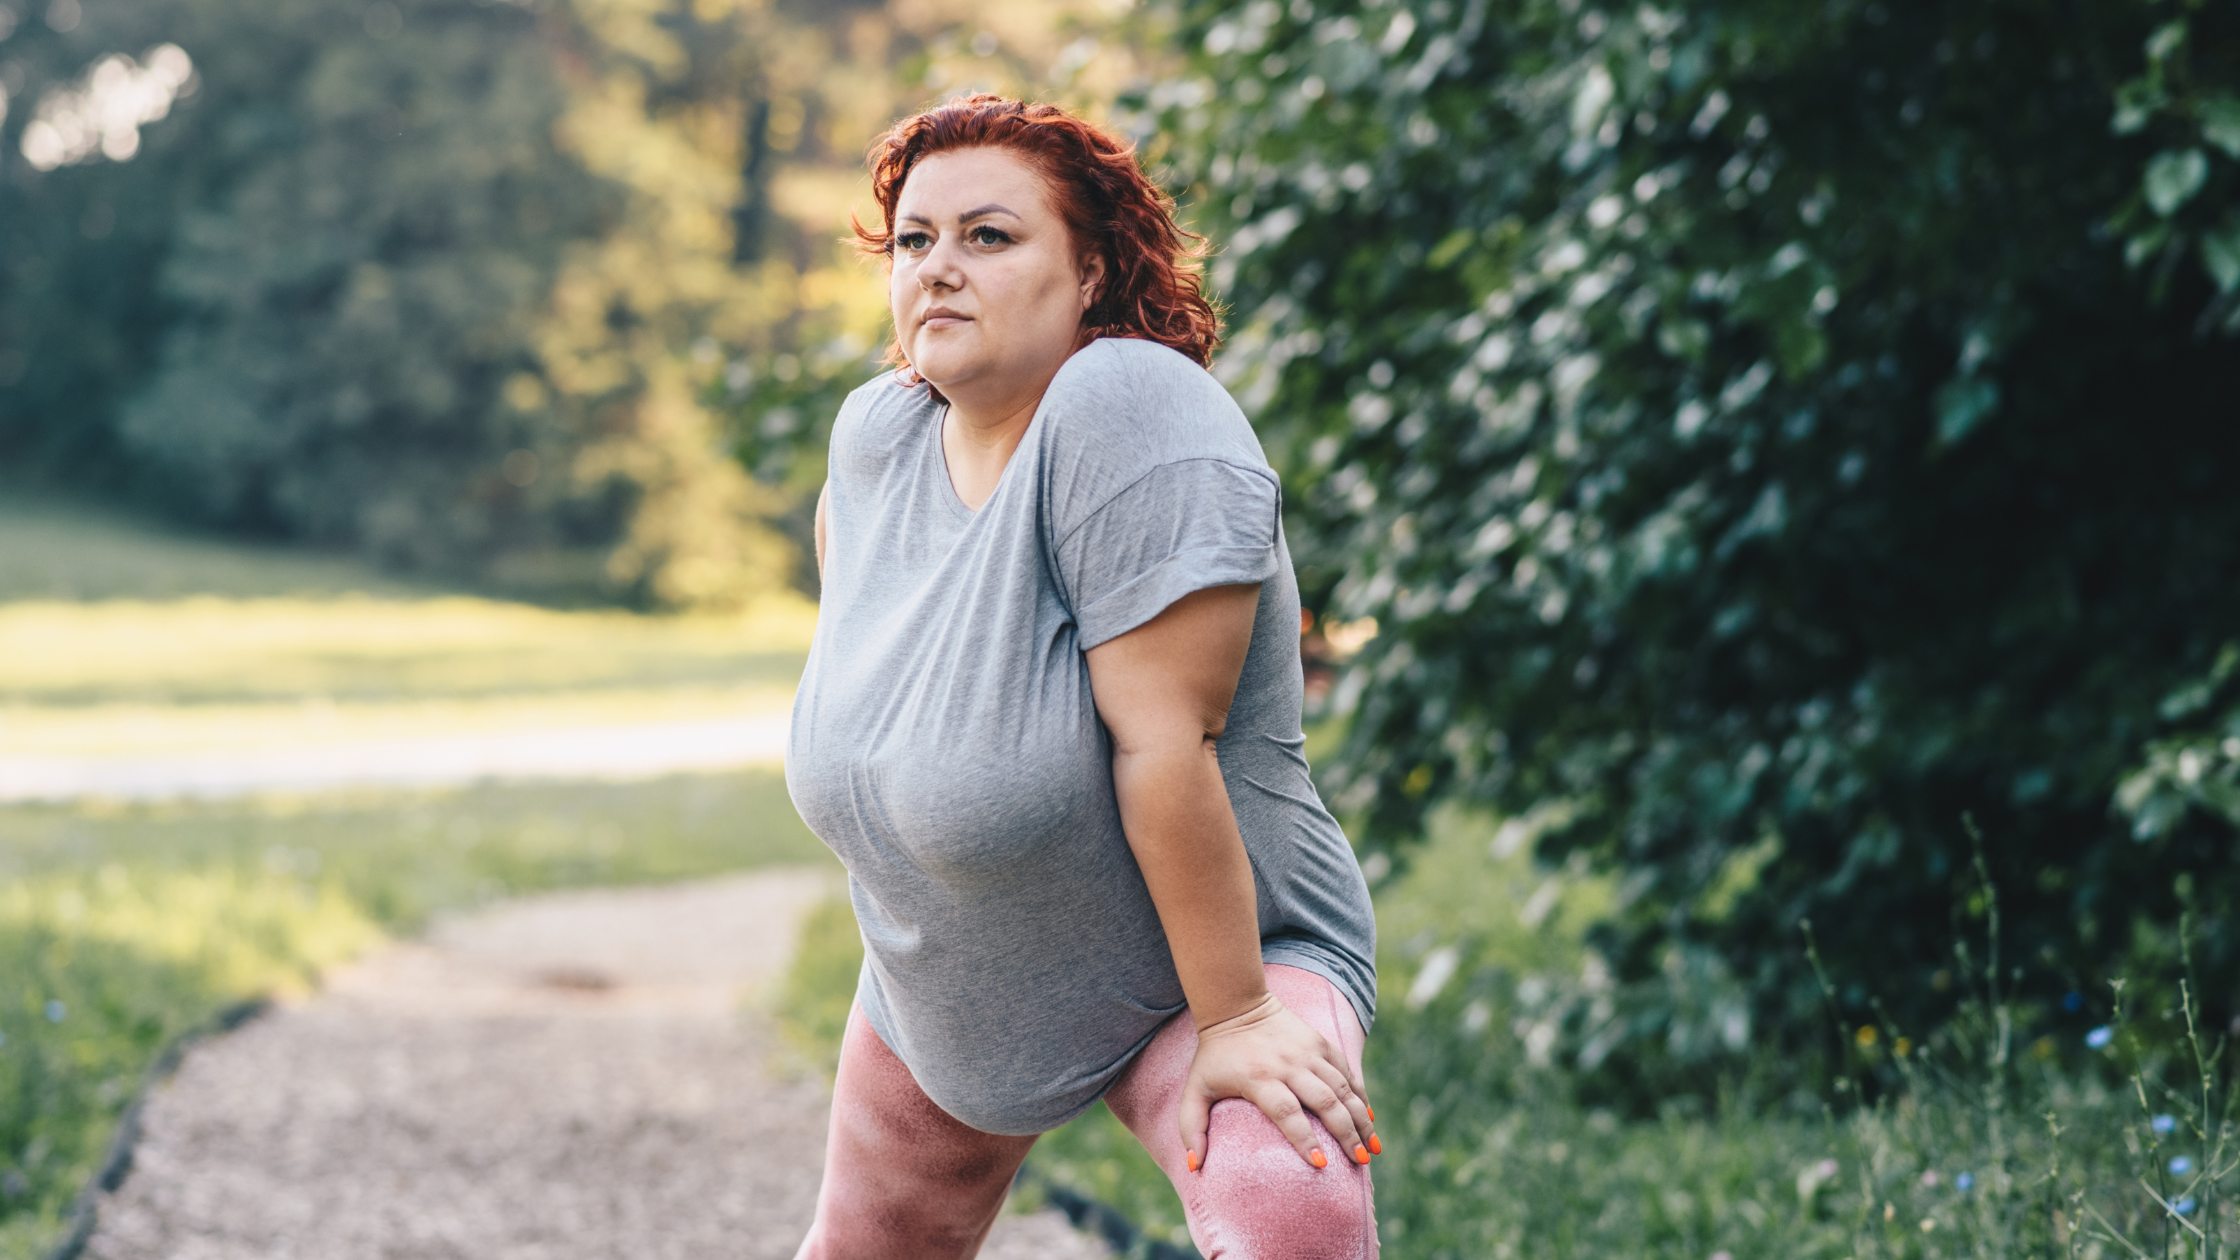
(944, 318)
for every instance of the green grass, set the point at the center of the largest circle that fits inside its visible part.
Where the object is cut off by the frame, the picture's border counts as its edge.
(142, 922)
(123, 926)
(68, 550)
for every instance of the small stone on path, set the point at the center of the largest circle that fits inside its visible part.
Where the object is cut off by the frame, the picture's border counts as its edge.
(577, 1076)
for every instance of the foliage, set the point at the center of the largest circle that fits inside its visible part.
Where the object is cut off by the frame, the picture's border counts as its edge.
(420, 281)
(1757, 445)
(2195, 765)
(120, 928)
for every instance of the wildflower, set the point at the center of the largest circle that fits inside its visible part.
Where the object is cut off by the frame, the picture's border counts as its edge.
(2181, 1166)
(1964, 1182)
(1930, 1178)
(56, 1011)
(2164, 1124)
(2184, 1206)
(2072, 1002)
(2099, 1038)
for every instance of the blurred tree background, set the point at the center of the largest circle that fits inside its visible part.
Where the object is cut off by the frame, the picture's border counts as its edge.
(1763, 434)
(1744, 438)
(466, 286)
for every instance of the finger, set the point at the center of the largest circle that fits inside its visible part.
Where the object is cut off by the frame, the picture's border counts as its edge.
(1357, 1093)
(1276, 1101)
(1193, 1119)
(1356, 1108)
(1329, 1106)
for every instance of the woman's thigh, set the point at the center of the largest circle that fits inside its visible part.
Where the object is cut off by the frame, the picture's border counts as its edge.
(903, 1179)
(1254, 1199)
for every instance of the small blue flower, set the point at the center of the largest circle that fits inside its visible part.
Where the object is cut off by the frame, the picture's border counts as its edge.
(1964, 1182)
(2181, 1166)
(56, 1011)
(2072, 1002)
(2099, 1037)
(2184, 1206)
(2165, 1124)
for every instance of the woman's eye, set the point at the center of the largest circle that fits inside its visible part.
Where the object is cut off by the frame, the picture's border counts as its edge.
(985, 235)
(911, 242)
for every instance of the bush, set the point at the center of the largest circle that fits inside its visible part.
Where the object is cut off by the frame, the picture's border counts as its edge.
(1759, 435)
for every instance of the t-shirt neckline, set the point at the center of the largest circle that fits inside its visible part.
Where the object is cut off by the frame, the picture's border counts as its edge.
(941, 460)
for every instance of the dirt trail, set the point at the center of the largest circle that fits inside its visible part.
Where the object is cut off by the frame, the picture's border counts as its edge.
(571, 1076)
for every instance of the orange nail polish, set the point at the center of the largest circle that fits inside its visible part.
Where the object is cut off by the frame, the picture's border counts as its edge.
(1372, 1111)
(1318, 1159)
(1360, 1154)
(1191, 1158)
(1375, 1147)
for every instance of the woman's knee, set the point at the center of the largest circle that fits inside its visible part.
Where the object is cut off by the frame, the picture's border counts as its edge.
(1255, 1199)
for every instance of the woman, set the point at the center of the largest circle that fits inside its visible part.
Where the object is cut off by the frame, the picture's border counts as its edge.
(1051, 723)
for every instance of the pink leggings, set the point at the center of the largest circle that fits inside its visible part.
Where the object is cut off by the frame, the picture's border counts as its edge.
(904, 1180)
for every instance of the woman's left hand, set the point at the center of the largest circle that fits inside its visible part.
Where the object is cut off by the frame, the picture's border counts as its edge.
(1274, 1060)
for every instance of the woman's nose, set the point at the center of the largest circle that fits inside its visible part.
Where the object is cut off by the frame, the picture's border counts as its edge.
(941, 268)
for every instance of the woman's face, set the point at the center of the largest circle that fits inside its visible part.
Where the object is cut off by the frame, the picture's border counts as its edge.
(987, 288)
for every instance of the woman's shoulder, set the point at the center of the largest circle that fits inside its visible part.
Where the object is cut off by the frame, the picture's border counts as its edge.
(1120, 409)
(1142, 402)
(876, 416)
(884, 401)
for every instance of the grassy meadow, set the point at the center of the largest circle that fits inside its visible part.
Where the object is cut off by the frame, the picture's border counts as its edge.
(124, 925)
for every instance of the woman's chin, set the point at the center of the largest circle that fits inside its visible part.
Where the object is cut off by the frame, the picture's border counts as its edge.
(945, 371)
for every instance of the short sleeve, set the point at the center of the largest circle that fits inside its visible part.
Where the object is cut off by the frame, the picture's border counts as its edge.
(1182, 527)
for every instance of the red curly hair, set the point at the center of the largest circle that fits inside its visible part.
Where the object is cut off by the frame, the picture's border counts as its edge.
(1154, 287)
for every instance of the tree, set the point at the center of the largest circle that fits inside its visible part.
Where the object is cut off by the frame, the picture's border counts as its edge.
(419, 280)
(1761, 434)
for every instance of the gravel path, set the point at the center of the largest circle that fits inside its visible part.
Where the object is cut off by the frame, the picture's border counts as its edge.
(575, 1075)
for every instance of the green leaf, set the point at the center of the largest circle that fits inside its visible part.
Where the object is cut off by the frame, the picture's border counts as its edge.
(2173, 179)
(2220, 123)
(2220, 253)
(1962, 405)
(2166, 40)
(1445, 252)
(2136, 102)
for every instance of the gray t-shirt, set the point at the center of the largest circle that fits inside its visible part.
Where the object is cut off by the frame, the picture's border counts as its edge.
(945, 743)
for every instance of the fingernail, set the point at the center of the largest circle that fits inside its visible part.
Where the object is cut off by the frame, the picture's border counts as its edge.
(1317, 1158)
(1376, 1147)
(1191, 1158)
(1372, 1111)
(1360, 1154)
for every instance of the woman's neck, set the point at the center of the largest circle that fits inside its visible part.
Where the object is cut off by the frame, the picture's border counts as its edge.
(977, 446)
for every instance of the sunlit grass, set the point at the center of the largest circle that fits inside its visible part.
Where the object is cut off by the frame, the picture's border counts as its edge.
(206, 650)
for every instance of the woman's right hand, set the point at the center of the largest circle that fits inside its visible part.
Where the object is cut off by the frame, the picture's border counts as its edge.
(1274, 1060)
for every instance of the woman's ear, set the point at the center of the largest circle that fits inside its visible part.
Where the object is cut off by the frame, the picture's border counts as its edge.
(1092, 279)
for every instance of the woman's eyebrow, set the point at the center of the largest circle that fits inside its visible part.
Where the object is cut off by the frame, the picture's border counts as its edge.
(967, 217)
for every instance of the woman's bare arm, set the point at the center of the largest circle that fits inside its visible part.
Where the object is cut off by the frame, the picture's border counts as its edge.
(823, 496)
(1163, 690)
